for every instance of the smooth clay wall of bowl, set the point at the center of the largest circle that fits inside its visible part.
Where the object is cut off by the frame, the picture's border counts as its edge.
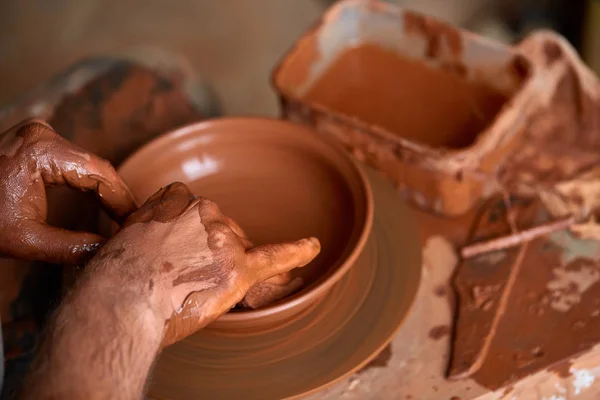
(279, 181)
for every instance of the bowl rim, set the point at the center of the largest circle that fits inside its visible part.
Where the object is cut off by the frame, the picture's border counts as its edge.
(309, 294)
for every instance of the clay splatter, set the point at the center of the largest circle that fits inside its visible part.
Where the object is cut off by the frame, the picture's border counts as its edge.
(381, 360)
(438, 332)
(440, 291)
(552, 52)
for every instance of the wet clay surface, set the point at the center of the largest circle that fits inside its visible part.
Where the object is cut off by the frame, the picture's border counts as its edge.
(297, 196)
(438, 332)
(271, 290)
(176, 244)
(380, 361)
(526, 308)
(435, 31)
(561, 141)
(406, 97)
(358, 316)
(279, 182)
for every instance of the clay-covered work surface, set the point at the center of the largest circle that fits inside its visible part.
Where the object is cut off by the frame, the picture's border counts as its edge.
(415, 365)
(527, 316)
(526, 308)
(341, 333)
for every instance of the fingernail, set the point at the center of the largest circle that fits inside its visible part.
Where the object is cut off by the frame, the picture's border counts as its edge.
(314, 242)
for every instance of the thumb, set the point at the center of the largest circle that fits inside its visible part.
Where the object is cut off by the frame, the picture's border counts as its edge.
(273, 259)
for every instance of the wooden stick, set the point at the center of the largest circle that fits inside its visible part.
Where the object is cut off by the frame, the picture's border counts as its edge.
(510, 215)
(515, 239)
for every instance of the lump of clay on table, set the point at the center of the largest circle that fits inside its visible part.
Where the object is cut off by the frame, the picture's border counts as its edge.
(271, 290)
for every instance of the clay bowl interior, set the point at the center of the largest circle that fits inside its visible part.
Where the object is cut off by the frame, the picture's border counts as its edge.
(280, 182)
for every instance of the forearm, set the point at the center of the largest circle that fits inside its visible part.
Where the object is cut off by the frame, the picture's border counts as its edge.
(100, 344)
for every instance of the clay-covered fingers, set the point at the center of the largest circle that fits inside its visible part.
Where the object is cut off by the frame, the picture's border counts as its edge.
(165, 205)
(35, 240)
(62, 162)
(272, 259)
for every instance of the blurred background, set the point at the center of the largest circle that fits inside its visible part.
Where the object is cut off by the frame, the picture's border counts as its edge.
(233, 44)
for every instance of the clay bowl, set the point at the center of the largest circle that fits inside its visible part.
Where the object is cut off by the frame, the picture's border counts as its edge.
(280, 181)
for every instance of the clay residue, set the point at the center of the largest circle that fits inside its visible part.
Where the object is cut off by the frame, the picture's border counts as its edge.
(567, 287)
(482, 296)
(382, 359)
(551, 312)
(560, 141)
(552, 52)
(561, 369)
(520, 67)
(481, 284)
(441, 291)
(406, 97)
(166, 267)
(271, 290)
(434, 32)
(438, 332)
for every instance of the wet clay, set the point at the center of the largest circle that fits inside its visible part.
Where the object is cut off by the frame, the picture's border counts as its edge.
(299, 196)
(279, 181)
(528, 308)
(33, 156)
(271, 290)
(438, 332)
(435, 31)
(380, 361)
(358, 316)
(406, 97)
(176, 244)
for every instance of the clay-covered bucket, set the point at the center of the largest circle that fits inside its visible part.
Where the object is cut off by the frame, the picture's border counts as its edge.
(433, 107)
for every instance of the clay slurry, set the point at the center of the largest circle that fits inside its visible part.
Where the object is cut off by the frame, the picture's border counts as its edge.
(408, 98)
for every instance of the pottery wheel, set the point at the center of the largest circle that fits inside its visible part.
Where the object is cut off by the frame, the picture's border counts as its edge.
(339, 335)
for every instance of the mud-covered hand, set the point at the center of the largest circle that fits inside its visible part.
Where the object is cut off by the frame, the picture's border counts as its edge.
(32, 157)
(177, 244)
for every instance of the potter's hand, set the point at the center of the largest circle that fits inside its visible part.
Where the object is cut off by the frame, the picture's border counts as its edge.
(33, 156)
(177, 244)
(112, 324)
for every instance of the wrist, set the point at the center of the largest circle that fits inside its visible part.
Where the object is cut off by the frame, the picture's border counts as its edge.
(130, 282)
(121, 300)
(102, 332)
